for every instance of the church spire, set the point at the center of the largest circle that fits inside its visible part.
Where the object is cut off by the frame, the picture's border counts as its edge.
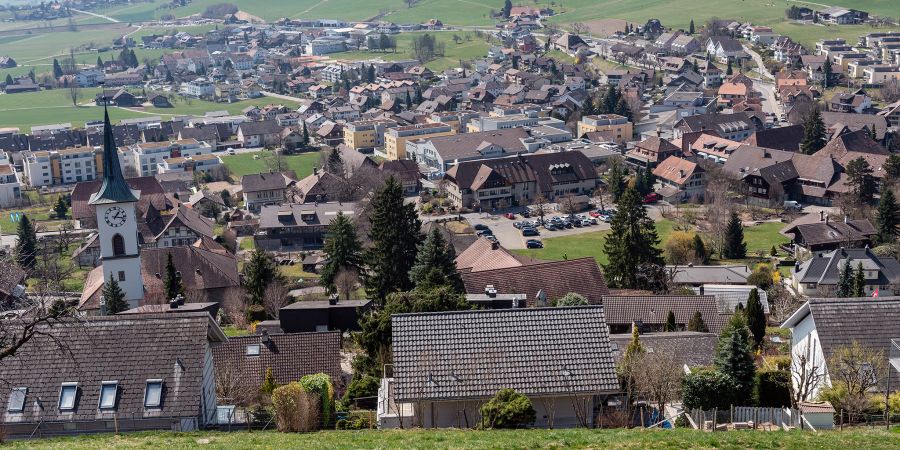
(114, 188)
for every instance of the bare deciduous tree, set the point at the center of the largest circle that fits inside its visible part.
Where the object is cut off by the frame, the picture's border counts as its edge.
(345, 282)
(275, 297)
(856, 367)
(806, 374)
(234, 307)
(232, 386)
(658, 378)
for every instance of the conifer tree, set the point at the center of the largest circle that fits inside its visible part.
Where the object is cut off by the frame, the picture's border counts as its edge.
(845, 280)
(9, 80)
(61, 208)
(859, 281)
(887, 217)
(813, 132)
(57, 69)
(734, 358)
(436, 264)
(395, 236)
(26, 243)
(342, 251)
(172, 282)
(113, 297)
(730, 69)
(623, 109)
(756, 318)
(691, 27)
(259, 272)
(632, 242)
(734, 248)
(304, 141)
(697, 324)
(670, 322)
(700, 253)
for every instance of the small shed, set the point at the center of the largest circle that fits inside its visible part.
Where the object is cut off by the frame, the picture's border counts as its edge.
(819, 414)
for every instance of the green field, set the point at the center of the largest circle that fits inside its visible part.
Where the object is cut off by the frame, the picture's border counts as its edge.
(861, 438)
(469, 47)
(248, 163)
(55, 106)
(759, 237)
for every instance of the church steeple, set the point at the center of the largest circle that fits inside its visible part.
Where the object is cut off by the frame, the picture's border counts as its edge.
(114, 188)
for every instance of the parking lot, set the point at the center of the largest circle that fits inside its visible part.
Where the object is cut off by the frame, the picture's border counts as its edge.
(511, 237)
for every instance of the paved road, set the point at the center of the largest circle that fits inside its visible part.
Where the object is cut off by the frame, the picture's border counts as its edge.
(111, 19)
(302, 101)
(759, 62)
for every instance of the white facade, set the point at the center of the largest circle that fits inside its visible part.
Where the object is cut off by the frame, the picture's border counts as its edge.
(10, 185)
(805, 345)
(36, 168)
(119, 249)
(199, 163)
(199, 88)
(146, 157)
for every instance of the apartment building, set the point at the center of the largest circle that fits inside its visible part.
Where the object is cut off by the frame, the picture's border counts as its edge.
(145, 157)
(395, 138)
(458, 120)
(10, 185)
(58, 167)
(366, 135)
(198, 163)
(619, 128)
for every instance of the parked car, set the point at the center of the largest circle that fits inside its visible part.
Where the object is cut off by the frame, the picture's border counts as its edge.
(510, 216)
(526, 214)
(652, 197)
(794, 205)
(586, 222)
(517, 225)
(534, 243)
(550, 227)
(486, 232)
(492, 238)
(481, 226)
(530, 232)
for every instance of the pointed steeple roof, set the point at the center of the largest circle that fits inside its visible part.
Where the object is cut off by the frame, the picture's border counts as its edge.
(114, 188)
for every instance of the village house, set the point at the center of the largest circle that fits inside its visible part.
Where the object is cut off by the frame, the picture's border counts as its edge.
(297, 226)
(265, 189)
(681, 180)
(819, 276)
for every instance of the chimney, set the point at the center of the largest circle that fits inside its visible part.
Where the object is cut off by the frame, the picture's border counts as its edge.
(702, 289)
(495, 245)
(766, 154)
(333, 299)
(821, 216)
(173, 304)
(490, 291)
(845, 218)
(826, 219)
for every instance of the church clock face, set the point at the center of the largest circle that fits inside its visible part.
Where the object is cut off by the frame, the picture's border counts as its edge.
(115, 216)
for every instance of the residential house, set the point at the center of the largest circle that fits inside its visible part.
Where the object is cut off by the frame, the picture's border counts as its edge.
(537, 283)
(333, 314)
(681, 180)
(264, 133)
(817, 232)
(819, 276)
(725, 49)
(405, 171)
(736, 126)
(441, 153)
(395, 139)
(651, 151)
(650, 312)
(297, 226)
(848, 102)
(182, 228)
(620, 128)
(263, 189)
(440, 379)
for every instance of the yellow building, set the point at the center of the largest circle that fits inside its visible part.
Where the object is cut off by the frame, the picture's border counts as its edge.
(366, 134)
(395, 138)
(619, 128)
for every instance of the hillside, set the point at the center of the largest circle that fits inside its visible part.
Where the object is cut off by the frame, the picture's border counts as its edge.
(428, 439)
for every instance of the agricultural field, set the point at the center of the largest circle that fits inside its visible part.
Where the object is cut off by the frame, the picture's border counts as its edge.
(482, 439)
(249, 163)
(470, 46)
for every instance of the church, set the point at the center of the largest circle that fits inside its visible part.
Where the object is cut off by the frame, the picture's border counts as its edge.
(208, 270)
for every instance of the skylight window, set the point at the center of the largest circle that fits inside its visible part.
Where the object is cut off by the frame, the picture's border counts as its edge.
(108, 394)
(17, 400)
(253, 350)
(153, 394)
(67, 394)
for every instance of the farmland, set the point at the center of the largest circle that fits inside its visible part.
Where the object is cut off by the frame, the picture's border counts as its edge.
(248, 163)
(472, 439)
(469, 46)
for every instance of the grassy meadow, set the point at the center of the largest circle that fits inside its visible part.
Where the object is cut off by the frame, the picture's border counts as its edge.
(250, 163)
(469, 47)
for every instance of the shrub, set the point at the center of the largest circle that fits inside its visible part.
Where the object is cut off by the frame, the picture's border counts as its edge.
(572, 299)
(256, 313)
(708, 389)
(295, 409)
(679, 248)
(761, 278)
(268, 386)
(364, 386)
(508, 409)
(320, 384)
(773, 388)
(357, 420)
(877, 401)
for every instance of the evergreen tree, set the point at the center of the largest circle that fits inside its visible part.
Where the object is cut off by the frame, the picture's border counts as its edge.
(887, 218)
(892, 166)
(860, 180)
(649, 180)
(57, 69)
(335, 164)
(395, 237)
(172, 282)
(734, 248)
(418, 96)
(691, 27)
(435, 264)
(259, 272)
(61, 208)
(845, 280)
(734, 358)
(408, 101)
(859, 281)
(632, 242)
(756, 318)
(610, 100)
(507, 7)
(615, 179)
(9, 80)
(700, 253)
(813, 132)
(670, 323)
(587, 108)
(623, 109)
(304, 140)
(114, 297)
(26, 243)
(730, 70)
(342, 251)
(697, 324)
(827, 72)
(99, 63)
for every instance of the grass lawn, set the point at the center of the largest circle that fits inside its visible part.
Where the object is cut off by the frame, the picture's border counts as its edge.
(39, 215)
(469, 47)
(247, 243)
(245, 163)
(231, 331)
(296, 271)
(493, 439)
(758, 237)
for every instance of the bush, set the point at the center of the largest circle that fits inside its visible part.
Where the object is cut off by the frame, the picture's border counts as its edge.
(707, 390)
(256, 313)
(773, 388)
(364, 386)
(320, 384)
(571, 299)
(761, 278)
(679, 248)
(357, 420)
(508, 409)
(295, 409)
(877, 401)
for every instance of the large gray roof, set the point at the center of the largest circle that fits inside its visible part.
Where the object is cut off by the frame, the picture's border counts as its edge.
(825, 267)
(473, 354)
(690, 348)
(654, 309)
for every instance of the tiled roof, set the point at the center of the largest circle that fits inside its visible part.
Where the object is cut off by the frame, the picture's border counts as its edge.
(290, 356)
(189, 218)
(554, 278)
(483, 255)
(473, 354)
(832, 232)
(655, 308)
(782, 138)
(265, 182)
(151, 195)
(733, 274)
(129, 349)
(824, 268)
(676, 170)
(689, 348)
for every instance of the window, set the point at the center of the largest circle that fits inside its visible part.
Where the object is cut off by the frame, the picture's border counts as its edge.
(67, 394)
(153, 394)
(17, 400)
(118, 245)
(121, 275)
(253, 350)
(108, 394)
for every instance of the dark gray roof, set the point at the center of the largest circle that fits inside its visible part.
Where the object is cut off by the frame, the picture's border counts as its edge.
(825, 267)
(690, 348)
(260, 127)
(129, 349)
(290, 356)
(473, 354)
(554, 278)
(114, 188)
(265, 182)
(832, 232)
(653, 309)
